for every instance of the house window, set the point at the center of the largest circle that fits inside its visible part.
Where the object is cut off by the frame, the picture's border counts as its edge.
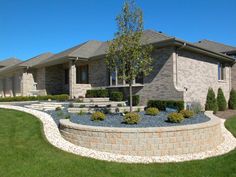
(139, 78)
(66, 75)
(221, 71)
(82, 74)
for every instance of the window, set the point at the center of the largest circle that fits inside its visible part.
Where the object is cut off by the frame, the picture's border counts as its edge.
(82, 74)
(221, 71)
(139, 78)
(66, 75)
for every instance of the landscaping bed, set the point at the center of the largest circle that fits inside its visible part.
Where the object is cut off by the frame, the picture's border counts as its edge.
(116, 120)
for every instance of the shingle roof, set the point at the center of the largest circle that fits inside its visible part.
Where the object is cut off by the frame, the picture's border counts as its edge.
(36, 60)
(9, 61)
(28, 63)
(148, 37)
(84, 50)
(215, 46)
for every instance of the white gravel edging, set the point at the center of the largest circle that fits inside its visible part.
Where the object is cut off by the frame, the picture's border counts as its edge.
(54, 137)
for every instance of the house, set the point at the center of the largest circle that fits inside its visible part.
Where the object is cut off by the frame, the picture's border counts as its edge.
(181, 71)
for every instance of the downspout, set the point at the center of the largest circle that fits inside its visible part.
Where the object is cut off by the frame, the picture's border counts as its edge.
(176, 73)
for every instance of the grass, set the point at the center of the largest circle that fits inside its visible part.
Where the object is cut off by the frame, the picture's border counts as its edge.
(25, 152)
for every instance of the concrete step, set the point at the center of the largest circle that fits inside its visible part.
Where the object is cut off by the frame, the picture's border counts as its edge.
(89, 100)
(102, 104)
(112, 109)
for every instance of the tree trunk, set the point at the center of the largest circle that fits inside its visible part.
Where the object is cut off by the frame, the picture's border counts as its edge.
(130, 97)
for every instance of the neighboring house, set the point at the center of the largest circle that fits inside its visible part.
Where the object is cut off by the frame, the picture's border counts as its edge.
(9, 62)
(181, 71)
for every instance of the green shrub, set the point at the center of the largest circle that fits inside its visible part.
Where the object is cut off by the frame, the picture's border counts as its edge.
(82, 106)
(67, 116)
(211, 102)
(175, 117)
(232, 99)
(131, 118)
(81, 113)
(62, 97)
(136, 100)
(152, 111)
(98, 93)
(120, 105)
(98, 116)
(58, 109)
(116, 96)
(186, 113)
(163, 104)
(221, 101)
(71, 105)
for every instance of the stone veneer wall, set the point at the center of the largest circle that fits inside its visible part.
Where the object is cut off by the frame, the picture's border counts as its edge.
(197, 73)
(156, 141)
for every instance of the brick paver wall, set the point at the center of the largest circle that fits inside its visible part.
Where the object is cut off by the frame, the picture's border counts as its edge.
(156, 141)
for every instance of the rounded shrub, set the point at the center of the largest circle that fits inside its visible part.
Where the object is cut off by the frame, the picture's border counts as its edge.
(186, 113)
(221, 101)
(211, 102)
(152, 111)
(175, 117)
(232, 99)
(131, 118)
(98, 116)
(58, 109)
(116, 96)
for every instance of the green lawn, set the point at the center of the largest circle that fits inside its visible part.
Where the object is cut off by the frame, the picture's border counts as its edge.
(25, 152)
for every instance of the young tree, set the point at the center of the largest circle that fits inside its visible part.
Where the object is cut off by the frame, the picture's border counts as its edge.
(211, 102)
(221, 101)
(232, 99)
(126, 53)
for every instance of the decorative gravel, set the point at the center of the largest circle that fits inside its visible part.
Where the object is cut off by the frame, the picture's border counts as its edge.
(116, 120)
(54, 137)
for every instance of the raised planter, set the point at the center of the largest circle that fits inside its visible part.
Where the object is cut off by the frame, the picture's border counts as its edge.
(155, 141)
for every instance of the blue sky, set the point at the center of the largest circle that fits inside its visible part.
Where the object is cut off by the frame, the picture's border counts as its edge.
(31, 27)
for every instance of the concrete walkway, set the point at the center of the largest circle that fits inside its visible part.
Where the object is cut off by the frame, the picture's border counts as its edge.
(226, 114)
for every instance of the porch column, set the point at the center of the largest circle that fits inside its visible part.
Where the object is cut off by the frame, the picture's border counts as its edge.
(72, 78)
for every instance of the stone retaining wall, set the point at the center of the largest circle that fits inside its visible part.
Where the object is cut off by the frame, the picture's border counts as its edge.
(155, 141)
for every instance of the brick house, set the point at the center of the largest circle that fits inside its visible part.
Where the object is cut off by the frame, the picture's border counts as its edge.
(182, 71)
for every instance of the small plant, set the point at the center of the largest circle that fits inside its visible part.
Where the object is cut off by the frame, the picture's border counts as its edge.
(186, 113)
(232, 99)
(67, 116)
(196, 107)
(58, 109)
(125, 111)
(138, 110)
(211, 103)
(120, 105)
(117, 110)
(221, 101)
(71, 105)
(108, 106)
(82, 106)
(96, 116)
(81, 113)
(152, 111)
(175, 117)
(131, 118)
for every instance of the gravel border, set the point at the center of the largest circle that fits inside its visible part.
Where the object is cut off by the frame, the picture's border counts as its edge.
(54, 137)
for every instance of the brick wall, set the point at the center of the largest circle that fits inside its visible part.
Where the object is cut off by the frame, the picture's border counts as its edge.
(197, 73)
